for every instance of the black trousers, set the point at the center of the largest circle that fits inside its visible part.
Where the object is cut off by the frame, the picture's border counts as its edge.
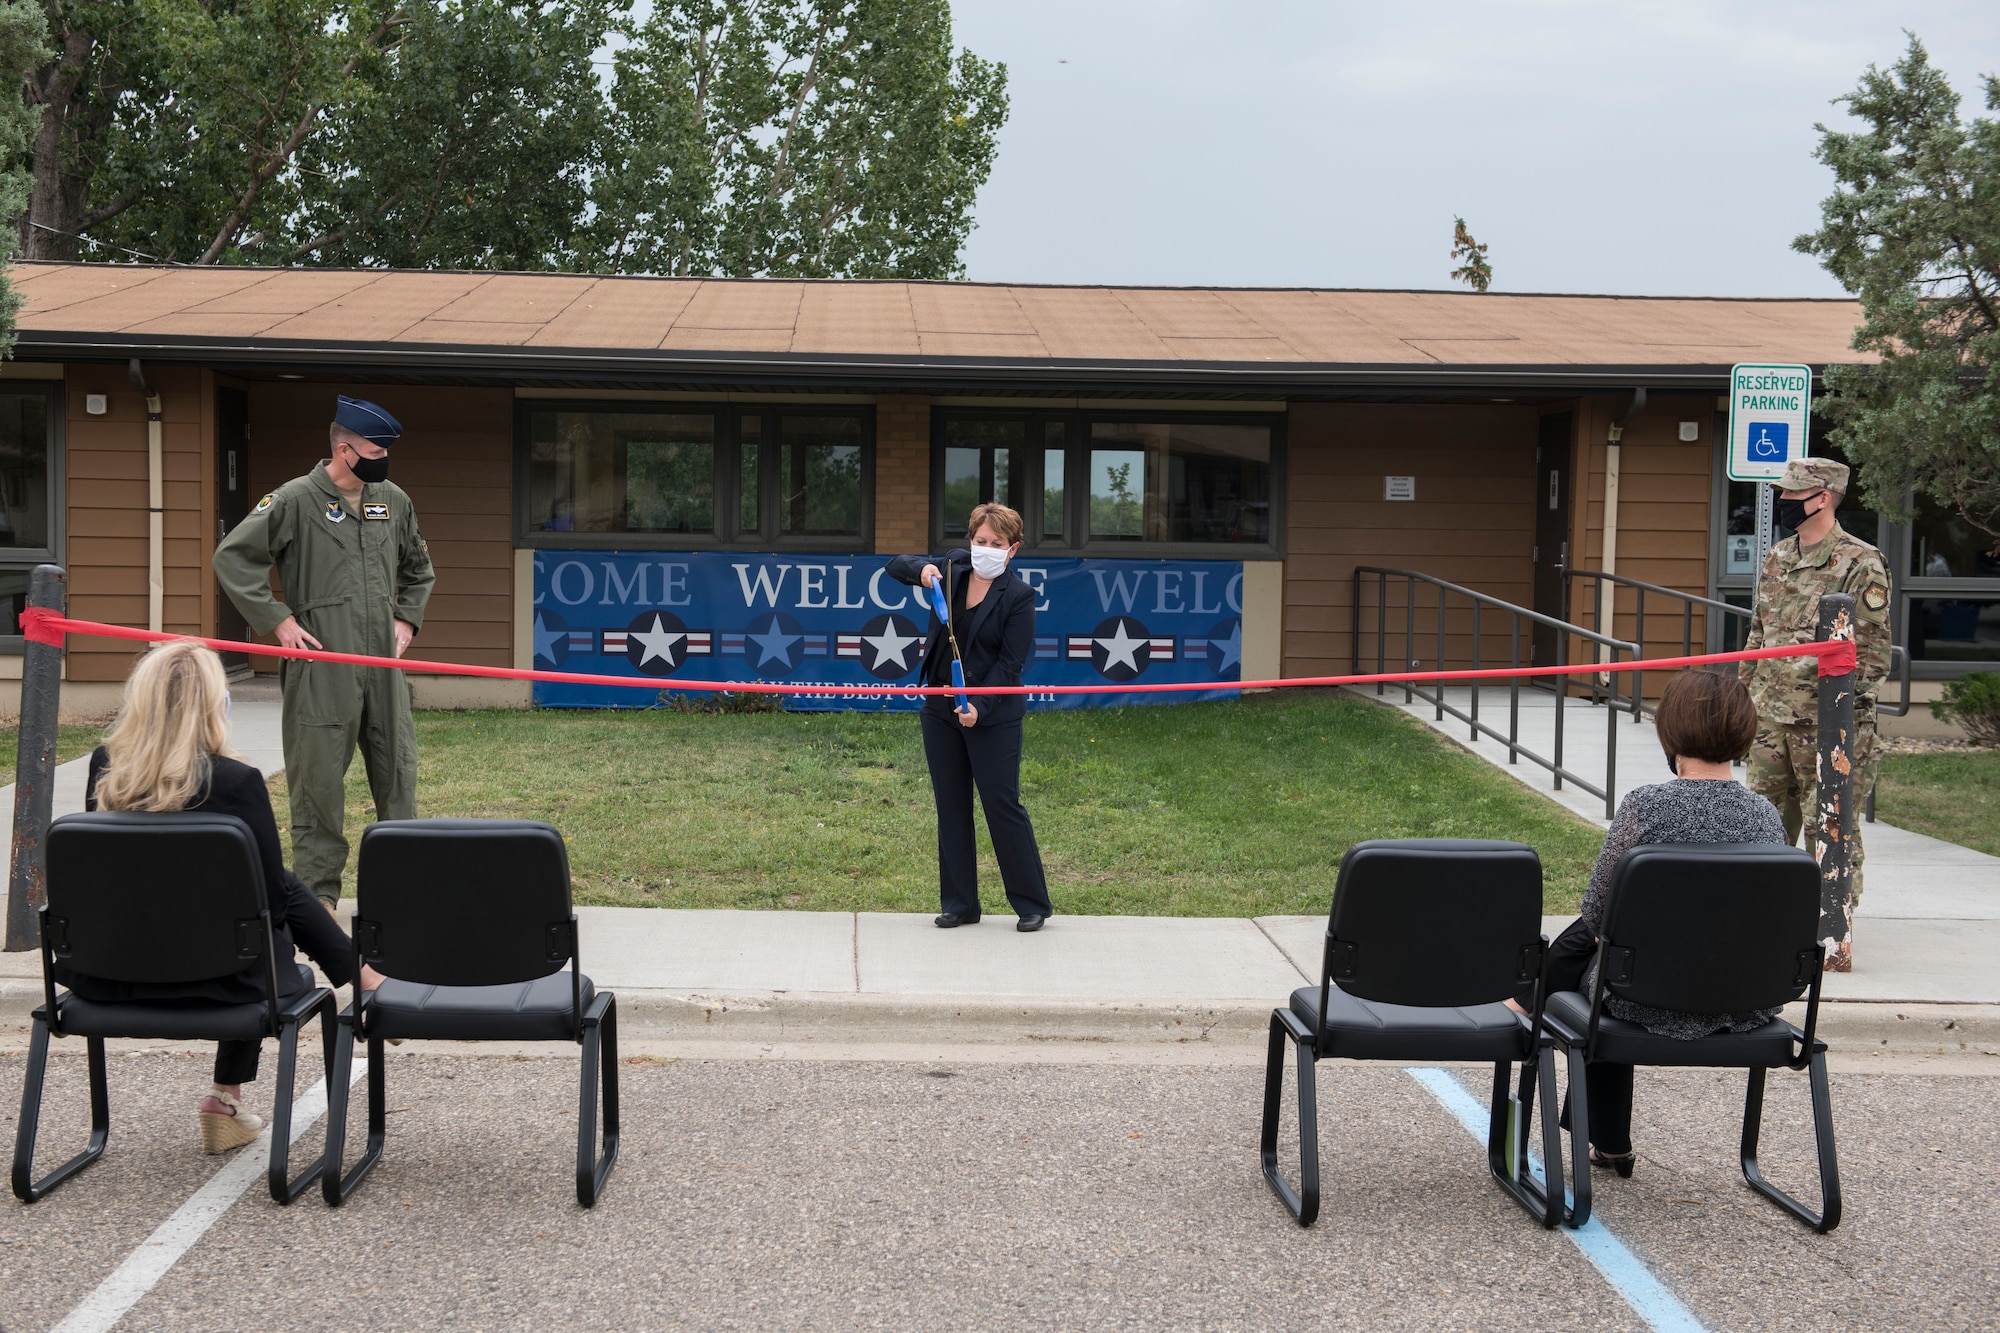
(236, 1061)
(1609, 1085)
(988, 758)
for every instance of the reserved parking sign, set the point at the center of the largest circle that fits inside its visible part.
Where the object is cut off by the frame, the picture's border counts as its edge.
(1770, 413)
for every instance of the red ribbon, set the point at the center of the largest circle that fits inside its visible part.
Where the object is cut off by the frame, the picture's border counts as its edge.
(1839, 657)
(41, 625)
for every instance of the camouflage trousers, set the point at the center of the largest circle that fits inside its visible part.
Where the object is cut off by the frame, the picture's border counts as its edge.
(1784, 767)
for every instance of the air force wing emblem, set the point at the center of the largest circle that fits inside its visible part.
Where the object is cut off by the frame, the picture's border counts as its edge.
(334, 513)
(264, 504)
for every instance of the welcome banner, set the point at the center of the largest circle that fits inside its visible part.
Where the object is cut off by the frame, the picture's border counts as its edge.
(840, 619)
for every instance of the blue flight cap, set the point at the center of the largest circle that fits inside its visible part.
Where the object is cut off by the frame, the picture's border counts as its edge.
(367, 420)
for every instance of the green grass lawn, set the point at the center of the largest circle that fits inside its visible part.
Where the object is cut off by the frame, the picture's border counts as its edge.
(1954, 796)
(1219, 809)
(71, 743)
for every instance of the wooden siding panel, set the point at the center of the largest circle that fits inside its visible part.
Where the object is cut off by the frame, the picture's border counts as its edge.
(1472, 522)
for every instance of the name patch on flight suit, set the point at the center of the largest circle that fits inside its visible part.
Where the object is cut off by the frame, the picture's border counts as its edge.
(375, 511)
(334, 513)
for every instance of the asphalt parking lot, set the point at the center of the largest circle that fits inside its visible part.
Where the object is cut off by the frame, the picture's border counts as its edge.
(903, 1194)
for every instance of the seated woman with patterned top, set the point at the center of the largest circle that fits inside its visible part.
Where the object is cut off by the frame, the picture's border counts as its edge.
(1706, 722)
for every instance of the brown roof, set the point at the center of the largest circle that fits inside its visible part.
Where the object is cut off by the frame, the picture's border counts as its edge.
(909, 328)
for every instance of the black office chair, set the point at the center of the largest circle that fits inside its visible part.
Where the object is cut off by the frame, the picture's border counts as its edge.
(472, 919)
(1426, 940)
(160, 898)
(1705, 928)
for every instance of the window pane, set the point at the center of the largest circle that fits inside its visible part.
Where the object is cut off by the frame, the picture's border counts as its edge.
(749, 504)
(13, 598)
(1739, 530)
(1117, 477)
(821, 477)
(1943, 545)
(24, 472)
(621, 472)
(961, 488)
(1953, 629)
(979, 467)
(1180, 482)
(1055, 437)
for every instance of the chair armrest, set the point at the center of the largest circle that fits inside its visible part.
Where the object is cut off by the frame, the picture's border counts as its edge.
(48, 969)
(298, 1006)
(599, 1003)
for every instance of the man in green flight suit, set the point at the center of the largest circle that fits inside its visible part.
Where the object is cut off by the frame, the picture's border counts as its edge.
(356, 576)
(1820, 557)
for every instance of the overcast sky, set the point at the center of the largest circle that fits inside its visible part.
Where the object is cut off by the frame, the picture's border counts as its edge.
(1659, 148)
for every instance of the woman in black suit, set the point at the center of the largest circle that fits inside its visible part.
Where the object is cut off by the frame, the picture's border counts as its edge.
(169, 750)
(993, 618)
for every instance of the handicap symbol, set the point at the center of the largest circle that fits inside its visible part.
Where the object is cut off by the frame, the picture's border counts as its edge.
(1769, 441)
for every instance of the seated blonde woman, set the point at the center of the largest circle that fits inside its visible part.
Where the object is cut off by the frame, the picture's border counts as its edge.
(169, 750)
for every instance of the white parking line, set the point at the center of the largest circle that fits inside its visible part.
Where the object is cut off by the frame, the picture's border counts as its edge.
(174, 1237)
(1646, 1294)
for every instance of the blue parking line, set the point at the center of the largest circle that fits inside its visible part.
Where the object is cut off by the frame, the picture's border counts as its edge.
(1646, 1294)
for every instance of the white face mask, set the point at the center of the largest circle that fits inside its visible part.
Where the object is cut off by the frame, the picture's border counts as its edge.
(989, 562)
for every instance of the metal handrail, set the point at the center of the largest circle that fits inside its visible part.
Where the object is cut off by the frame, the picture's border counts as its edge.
(1687, 600)
(1899, 657)
(1607, 694)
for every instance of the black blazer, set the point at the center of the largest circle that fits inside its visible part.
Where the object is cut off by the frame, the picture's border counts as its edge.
(996, 640)
(235, 788)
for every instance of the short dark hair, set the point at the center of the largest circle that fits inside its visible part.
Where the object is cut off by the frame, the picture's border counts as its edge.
(1706, 715)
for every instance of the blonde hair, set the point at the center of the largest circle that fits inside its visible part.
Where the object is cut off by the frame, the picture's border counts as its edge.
(1005, 522)
(167, 734)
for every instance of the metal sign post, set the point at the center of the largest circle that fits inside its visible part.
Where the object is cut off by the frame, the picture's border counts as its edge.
(1834, 820)
(34, 768)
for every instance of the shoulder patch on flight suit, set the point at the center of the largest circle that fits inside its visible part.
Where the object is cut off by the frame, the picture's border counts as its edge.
(265, 503)
(375, 511)
(334, 513)
(1875, 596)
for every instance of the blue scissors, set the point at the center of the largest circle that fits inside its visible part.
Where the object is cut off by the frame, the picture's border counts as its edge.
(943, 609)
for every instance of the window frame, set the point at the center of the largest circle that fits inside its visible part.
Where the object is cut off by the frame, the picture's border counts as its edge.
(1076, 465)
(729, 535)
(13, 643)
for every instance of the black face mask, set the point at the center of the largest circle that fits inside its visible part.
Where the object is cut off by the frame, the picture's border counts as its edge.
(370, 469)
(1791, 513)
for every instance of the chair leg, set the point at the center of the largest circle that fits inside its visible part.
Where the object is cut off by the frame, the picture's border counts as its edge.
(283, 1186)
(1829, 1170)
(1579, 1144)
(26, 1188)
(1302, 1204)
(333, 1186)
(1509, 1117)
(600, 1065)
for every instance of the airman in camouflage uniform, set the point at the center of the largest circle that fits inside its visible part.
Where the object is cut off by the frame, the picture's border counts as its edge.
(1784, 761)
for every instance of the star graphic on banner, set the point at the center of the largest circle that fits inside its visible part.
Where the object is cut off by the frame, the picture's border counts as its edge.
(659, 641)
(1231, 648)
(889, 644)
(774, 644)
(546, 639)
(1121, 649)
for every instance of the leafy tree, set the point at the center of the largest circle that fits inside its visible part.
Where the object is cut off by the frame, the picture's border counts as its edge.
(1474, 271)
(1913, 230)
(74, 92)
(796, 137)
(24, 35)
(247, 85)
(805, 138)
(474, 149)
